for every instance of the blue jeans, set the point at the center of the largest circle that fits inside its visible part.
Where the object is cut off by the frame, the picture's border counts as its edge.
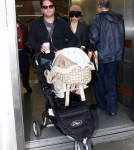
(105, 86)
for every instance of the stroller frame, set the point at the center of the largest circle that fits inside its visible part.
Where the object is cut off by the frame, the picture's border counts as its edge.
(83, 144)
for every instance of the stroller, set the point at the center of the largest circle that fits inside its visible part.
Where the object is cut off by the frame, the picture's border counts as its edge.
(63, 83)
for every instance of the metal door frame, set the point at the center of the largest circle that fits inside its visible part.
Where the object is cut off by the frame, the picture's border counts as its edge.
(132, 97)
(11, 122)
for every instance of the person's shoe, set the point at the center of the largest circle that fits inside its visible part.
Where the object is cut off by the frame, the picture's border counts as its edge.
(29, 90)
(113, 113)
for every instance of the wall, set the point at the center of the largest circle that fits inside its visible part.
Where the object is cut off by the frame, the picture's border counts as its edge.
(125, 75)
(11, 125)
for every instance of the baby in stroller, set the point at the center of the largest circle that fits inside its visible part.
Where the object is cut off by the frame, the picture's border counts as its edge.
(63, 83)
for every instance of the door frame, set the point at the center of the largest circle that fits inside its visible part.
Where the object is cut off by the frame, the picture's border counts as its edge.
(12, 133)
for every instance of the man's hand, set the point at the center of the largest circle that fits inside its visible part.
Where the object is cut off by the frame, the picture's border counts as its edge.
(45, 48)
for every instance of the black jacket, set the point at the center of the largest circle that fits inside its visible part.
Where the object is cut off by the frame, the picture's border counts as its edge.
(82, 35)
(62, 36)
(25, 33)
(107, 36)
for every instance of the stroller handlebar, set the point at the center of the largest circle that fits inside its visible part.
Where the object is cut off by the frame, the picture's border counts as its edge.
(37, 58)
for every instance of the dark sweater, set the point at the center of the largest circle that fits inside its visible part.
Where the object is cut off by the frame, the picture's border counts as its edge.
(62, 36)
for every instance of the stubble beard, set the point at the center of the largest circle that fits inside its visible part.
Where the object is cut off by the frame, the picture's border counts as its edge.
(49, 15)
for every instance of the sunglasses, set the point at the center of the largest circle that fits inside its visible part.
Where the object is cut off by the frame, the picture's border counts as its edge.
(76, 14)
(49, 6)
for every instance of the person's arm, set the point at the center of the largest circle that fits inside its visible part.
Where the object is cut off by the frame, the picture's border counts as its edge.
(94, 35)
(32, 37)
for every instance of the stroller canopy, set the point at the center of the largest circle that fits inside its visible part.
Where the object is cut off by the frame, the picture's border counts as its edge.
(76, 55)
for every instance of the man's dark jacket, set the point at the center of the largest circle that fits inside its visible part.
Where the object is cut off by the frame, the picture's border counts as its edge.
(107, 36)
(62, 36)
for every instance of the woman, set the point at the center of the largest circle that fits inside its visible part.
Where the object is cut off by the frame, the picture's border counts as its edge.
(78, 28)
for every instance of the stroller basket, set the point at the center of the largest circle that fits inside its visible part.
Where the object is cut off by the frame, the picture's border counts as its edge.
(76, 121)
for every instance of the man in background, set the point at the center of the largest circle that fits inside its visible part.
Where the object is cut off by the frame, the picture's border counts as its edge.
(24, 66)
(107, 37)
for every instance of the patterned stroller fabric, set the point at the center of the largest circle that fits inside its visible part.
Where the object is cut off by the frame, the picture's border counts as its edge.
(71, 71)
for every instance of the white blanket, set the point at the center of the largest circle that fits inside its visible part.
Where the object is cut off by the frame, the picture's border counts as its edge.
(76, 55)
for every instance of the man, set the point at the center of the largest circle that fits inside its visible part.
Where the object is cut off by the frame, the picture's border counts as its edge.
(50, 29)
(107, 37)
(23, 56)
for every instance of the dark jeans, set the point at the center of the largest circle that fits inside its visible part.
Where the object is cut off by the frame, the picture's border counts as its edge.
(105, 86)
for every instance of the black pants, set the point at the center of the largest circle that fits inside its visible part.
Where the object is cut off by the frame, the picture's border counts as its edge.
(24, 67)
(105, 86)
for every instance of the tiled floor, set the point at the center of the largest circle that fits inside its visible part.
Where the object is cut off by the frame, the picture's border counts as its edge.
(118, 145)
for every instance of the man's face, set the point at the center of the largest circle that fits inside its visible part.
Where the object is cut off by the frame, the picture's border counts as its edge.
(48, 9)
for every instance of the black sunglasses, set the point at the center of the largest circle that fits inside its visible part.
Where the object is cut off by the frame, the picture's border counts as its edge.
(76, 14)
(49, 6)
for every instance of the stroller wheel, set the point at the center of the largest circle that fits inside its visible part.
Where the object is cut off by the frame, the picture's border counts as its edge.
(45, 122)
(79, 145)
(87, 144)
(36, 128)
(88, 147)
(45, 119)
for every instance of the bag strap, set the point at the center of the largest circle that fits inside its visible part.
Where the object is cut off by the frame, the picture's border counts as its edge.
(51, 32)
